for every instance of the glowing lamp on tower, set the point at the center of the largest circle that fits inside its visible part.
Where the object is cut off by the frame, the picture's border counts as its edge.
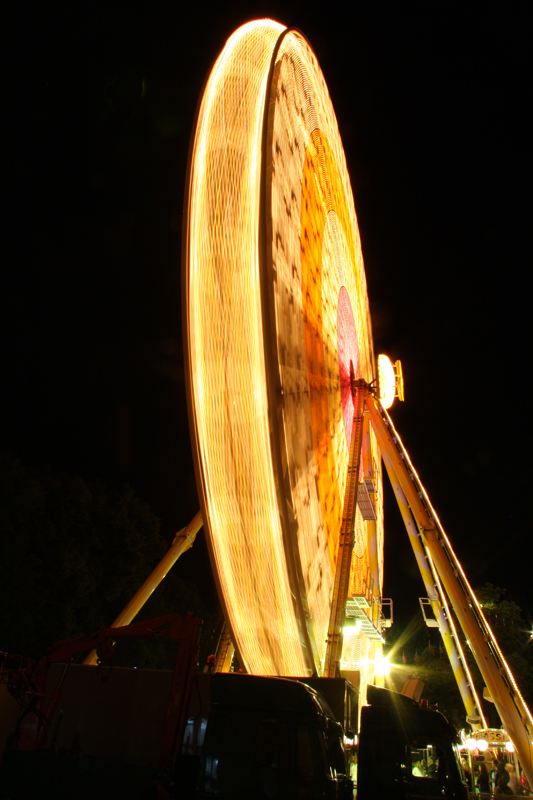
(387, 381)
(390, 381)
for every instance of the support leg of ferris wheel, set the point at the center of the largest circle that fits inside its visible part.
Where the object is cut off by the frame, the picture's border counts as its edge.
(439, 606)
(183, 541)
(346, 540)
(225, 650)
(516, 717)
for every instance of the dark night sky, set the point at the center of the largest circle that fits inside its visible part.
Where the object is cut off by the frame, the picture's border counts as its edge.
(431, 105)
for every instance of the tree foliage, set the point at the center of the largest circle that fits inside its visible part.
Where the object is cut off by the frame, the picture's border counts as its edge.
(72, 554)
(507, 623)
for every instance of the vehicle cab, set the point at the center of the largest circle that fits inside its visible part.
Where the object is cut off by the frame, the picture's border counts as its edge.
(271, 739)
(406, 751)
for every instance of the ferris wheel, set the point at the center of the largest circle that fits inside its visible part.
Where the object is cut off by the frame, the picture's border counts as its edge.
(278, 329)
(287, 404)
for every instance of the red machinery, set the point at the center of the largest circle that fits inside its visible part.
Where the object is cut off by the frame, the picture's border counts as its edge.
(28, 679)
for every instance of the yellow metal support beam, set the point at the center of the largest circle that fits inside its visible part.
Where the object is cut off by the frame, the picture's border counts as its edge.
(346, 540)
(183, 540)
(437, 600)
(371, 525)
(515, 716)
(225, 651)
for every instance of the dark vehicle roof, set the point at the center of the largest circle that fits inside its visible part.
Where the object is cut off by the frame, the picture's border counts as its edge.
(268, 693)
(414, 719)
(377, 696)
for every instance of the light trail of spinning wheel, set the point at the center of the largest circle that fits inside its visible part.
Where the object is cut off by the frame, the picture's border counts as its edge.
(275, 315)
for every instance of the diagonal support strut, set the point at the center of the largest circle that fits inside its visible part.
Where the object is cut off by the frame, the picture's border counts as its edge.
(346, 538)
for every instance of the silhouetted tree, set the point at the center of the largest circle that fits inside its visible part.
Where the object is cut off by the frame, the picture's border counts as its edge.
(514, 638)
(72, 554)
(506, 620)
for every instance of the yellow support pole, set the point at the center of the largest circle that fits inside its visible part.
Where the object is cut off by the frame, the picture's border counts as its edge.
(371, 528)
(515, 716)
(183, 541)
(334, 639)
(444, 620)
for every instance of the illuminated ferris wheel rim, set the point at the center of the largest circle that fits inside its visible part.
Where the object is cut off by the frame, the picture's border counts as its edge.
(185, 295)
(274, 389)
(265, 266)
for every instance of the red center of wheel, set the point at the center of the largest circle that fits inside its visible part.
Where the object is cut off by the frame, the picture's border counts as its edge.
(348, 352)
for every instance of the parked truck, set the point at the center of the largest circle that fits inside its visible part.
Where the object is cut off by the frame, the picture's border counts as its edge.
(406, 750)
(114, 733)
